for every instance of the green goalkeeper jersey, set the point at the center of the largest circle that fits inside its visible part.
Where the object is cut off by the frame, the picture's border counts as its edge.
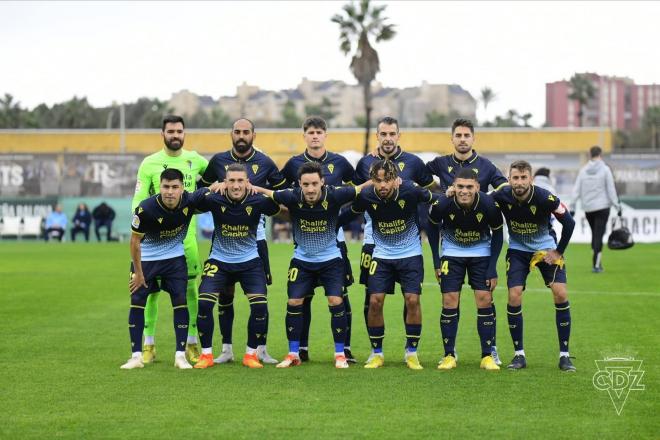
(190, 163)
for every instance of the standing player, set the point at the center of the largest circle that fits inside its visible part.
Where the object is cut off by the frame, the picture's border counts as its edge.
(314, 209)
(235, 258)
(409, 167)
(466, 221)
(397, 255)
(191, 164)
(263, 172)
(526, 208)
(159, 226)
(446, 167)
(336, 171)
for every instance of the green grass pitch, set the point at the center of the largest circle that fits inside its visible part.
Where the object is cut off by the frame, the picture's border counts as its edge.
(64, 322)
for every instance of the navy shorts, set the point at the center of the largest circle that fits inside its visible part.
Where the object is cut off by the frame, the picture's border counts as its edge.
(218, 276)
(262, 249)
(304, 276)
(170, 275)
(517, 269)
(453, 270)
(348, 271)
(365, 262)
(408, 272)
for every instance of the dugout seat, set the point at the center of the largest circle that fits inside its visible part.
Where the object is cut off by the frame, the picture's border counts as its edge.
(11, 227)
(32, 227)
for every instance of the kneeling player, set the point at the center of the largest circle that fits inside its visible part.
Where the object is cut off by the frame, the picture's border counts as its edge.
(466, 221)
(397, 254)
(159, 226)
(235, 258)
(314, 209)
(527, 209)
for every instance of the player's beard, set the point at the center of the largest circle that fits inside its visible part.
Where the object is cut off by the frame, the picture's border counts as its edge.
(520, 191)
(174, 144)
(463, 148)
(242, 147)
(388, 148)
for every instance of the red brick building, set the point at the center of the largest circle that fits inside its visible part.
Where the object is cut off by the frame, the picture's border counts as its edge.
(618, 103)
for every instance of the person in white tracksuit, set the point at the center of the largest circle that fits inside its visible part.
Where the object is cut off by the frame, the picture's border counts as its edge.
(594, 187)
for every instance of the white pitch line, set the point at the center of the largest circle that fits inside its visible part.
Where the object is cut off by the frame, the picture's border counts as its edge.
(581, 292)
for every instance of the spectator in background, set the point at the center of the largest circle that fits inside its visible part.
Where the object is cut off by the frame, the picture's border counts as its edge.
(542, 179)
(82, 220)
(595, 188)
(103, 217)
(55, 224)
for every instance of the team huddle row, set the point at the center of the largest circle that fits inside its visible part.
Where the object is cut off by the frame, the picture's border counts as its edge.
(321, 193)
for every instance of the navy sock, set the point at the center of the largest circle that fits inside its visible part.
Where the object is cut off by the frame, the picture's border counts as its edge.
(136, 326)
(205, 318)
(563, 319)
(293, 322)
(515, 317)
(486, 329)
(413, 333)
(181, 321)
(366, 309)
(376, 336)
(349, 319)
(338, 325)
(226, 317)
(306, 320)
(448, 328)
(257, 322)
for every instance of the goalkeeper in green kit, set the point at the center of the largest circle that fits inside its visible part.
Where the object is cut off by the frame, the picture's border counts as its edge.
(191, 164)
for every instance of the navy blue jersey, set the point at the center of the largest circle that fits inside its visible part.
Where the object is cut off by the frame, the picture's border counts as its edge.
(466, 232)
(446, 167)
(315, 226)
(261, 169)
(395, 227)
(163, 229)
(235, 233)
(410, 167)
(336, 169)
(527, 221)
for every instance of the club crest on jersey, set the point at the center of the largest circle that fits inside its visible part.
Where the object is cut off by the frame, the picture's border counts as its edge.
(300, 205)
(189, 162)
(136, 222)
(226, 166)
(248, 209)
(255, 168)
(222, 208)
(164, 166)
(533, 209)
(476, 170)
(185, 211)
(402, 203)
(479, 216)
(331, 168)
(449, 169)
(451, 216)
(324, 204)
(510, 206)
(401, 166)
(374, 205)
(160, 220)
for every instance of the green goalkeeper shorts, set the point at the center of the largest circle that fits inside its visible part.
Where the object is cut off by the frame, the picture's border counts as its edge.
(192, 254)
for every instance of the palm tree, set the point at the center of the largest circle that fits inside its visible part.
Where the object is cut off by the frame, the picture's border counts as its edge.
(582, 90)
(356, 26)
(487, 96)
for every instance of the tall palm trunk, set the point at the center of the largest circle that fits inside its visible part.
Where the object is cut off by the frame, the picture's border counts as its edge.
(366, 90)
